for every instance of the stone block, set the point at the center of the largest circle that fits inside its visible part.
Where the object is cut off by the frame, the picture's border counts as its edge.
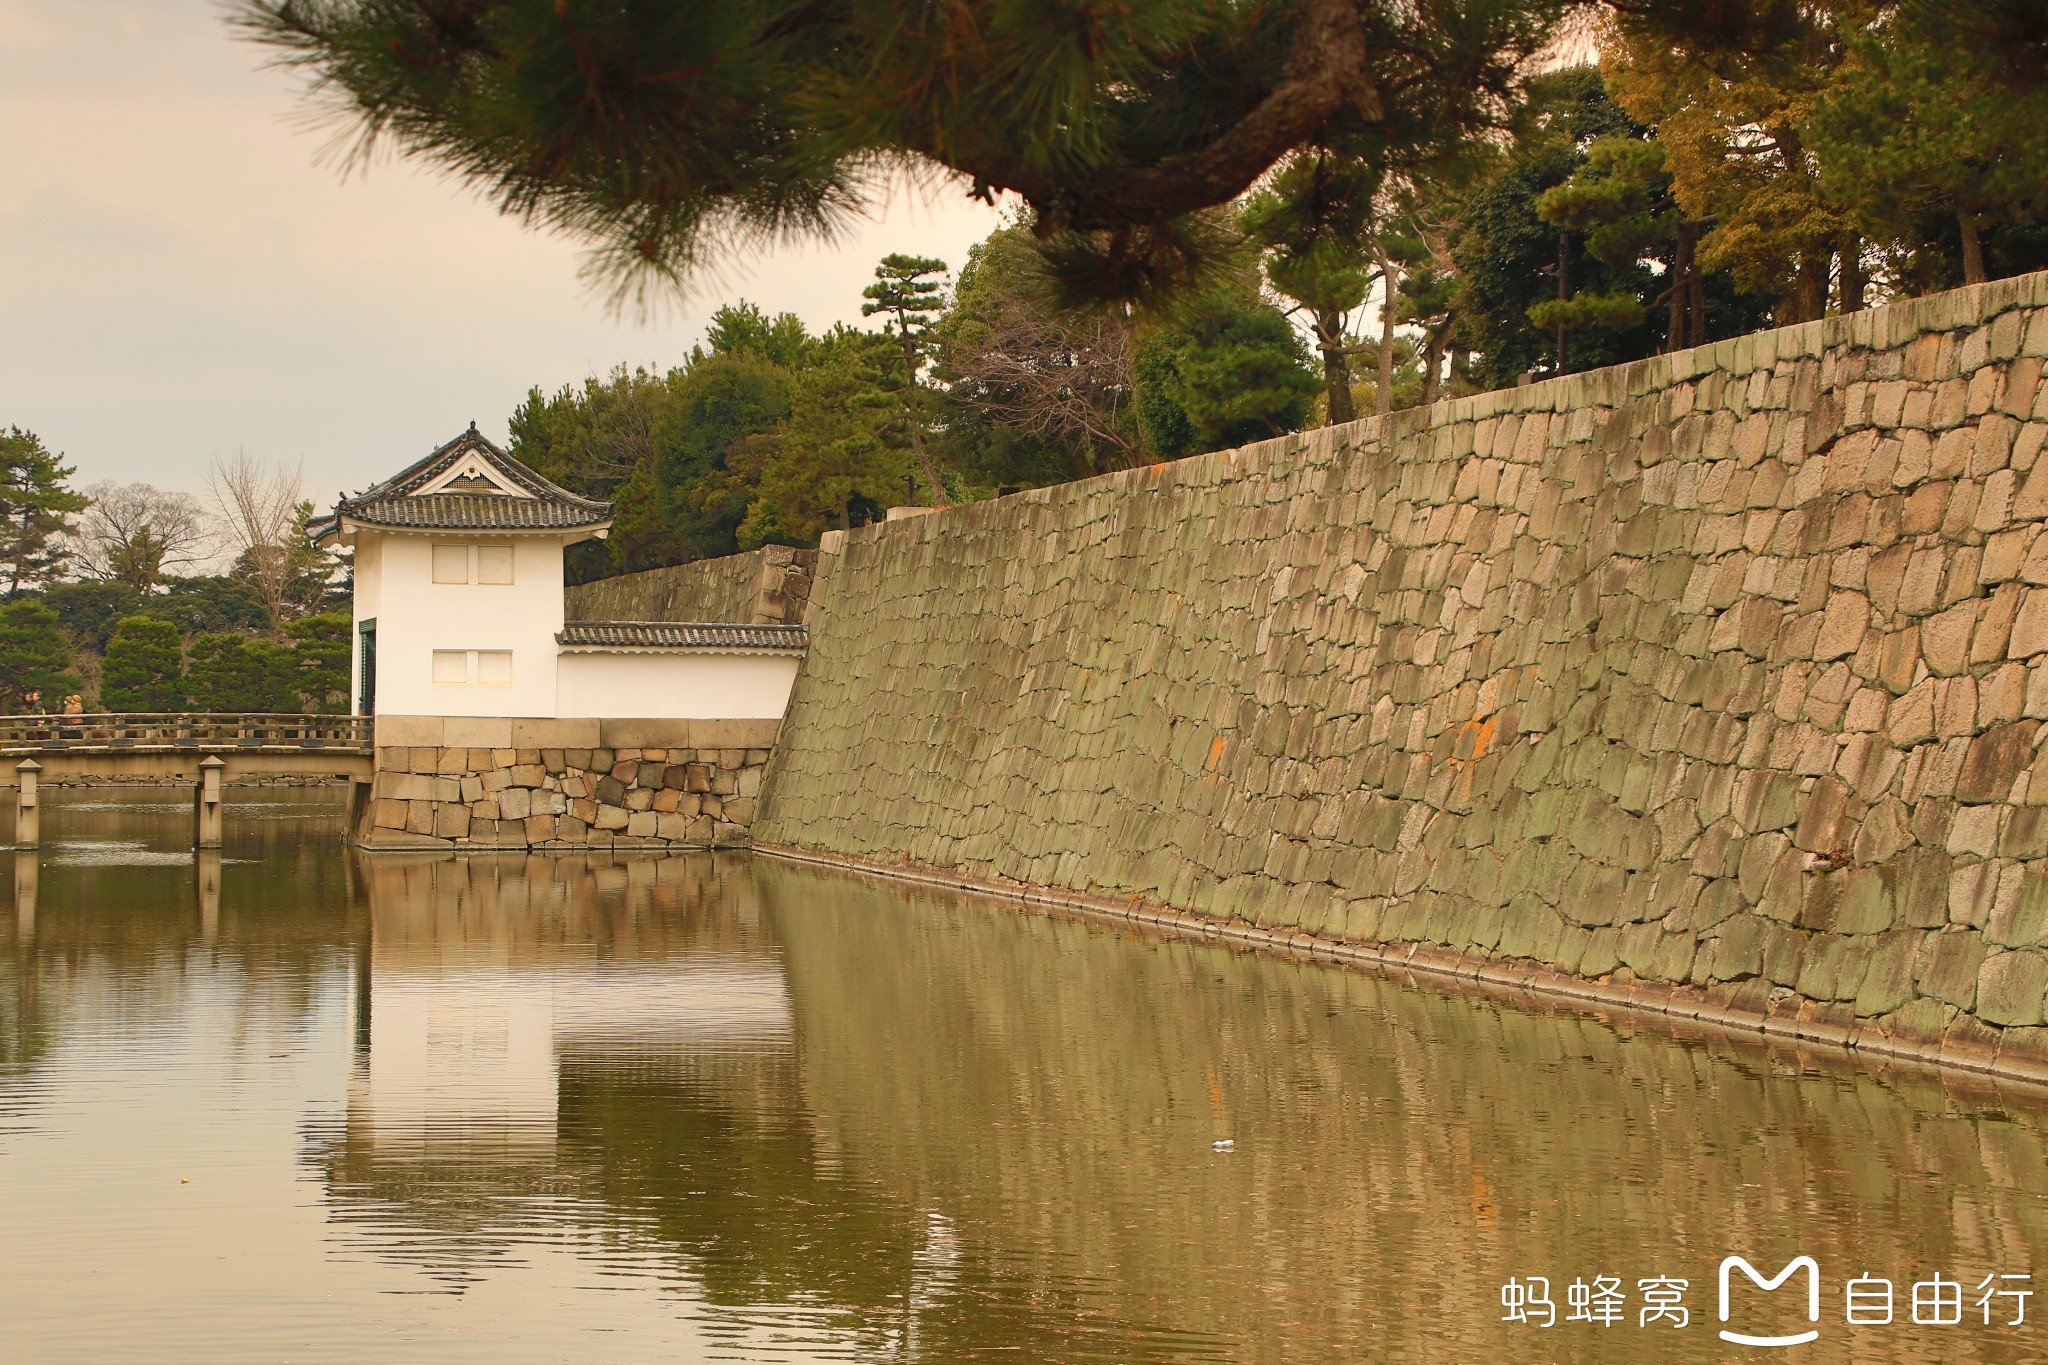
(473, 732)
(1947, 967)
(451, 821)
(2010, 987)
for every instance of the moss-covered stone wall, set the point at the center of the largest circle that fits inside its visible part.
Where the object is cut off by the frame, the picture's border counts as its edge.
(1718, 679)
(768, 586)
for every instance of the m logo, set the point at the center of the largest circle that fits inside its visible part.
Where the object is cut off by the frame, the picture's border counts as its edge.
(1805, 1263)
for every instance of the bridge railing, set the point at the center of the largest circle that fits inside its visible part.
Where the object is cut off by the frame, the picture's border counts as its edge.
(184, 730)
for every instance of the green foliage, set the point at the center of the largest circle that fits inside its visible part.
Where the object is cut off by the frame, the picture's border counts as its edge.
(835, 452)
(743, 329)
(1619, 312)
(142, 670)
(659, 444)
(1316, 227)
(1918, 128)
(37, 504)
(320, 648)
(236, 673)
(90, 609)
(906, 292)
(33, 657)
(198, 606)
(1117, 124)
(1230, 370)
(1581, 167)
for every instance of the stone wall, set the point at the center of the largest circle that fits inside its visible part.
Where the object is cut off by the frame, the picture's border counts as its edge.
(769, 586)
(561, 784)
(1717, 680)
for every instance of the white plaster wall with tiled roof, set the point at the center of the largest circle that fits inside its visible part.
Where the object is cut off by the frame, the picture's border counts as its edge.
(416, 616)
(458, 577)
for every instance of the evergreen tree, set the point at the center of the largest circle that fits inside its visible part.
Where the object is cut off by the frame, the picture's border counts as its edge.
(232, 673)
(1114, 123)
(213, 603)
(1734, 127)
(835, 460)
(320, 651)
(142, 670)
(1920, 127)
(1316, 227)
(1229, 370)
(905, 293)
(37, 504)
(90, 609)
(33, 657)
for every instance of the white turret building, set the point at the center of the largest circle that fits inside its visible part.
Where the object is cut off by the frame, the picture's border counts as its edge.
(500, 723)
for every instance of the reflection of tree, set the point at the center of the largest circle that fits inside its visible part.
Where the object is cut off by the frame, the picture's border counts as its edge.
(117, 931)
(715, 1157)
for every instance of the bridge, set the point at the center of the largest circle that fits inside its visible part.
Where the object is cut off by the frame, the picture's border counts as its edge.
(204, 750)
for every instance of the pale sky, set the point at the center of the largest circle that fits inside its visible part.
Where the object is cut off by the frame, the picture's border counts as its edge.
(182, 274)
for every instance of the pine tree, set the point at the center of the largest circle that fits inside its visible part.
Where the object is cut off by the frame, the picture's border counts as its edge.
(33, 657)
(1231, 369)
(1920, 127)
(36, 507)
(142, 670)
(905, 292)
(665, 132)
(1316, 227)
(232, 673)
(320, 655)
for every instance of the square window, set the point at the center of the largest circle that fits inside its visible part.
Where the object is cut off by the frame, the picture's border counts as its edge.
(451, 666)
(451, 564)
(494, 563)
(494, 667)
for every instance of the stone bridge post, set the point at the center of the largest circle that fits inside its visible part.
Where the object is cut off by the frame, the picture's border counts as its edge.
(28, 823)
(206, 803)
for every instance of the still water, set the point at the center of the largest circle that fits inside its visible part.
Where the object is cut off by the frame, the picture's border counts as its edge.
(300, 1104)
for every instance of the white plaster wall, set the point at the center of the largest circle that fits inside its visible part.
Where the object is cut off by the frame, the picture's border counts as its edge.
(675, 686)
(416, 616)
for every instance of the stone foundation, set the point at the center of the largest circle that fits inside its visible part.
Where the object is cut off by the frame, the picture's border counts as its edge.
(451, 783)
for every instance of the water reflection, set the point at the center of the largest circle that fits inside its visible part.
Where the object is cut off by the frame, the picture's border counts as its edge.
(761, 1111)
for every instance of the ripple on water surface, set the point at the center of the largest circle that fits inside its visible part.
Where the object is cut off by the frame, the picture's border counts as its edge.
(316, 1105)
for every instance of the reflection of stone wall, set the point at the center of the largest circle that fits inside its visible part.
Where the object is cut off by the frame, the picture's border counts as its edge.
(562, 784)
(1053, 1086)
(1718, 678)
(768, 586)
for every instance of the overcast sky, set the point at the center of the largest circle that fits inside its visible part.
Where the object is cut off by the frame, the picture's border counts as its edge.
(181, 274)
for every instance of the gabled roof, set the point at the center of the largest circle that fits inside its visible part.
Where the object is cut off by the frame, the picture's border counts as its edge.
(466, 485)
(717, 636)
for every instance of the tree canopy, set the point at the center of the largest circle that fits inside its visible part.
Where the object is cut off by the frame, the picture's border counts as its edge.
(664, 133)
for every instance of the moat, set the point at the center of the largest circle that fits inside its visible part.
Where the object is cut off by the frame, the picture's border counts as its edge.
(715, 1107)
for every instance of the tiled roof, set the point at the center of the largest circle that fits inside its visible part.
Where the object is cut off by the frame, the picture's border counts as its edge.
(475, 511)
(395, 502)
(682, 635)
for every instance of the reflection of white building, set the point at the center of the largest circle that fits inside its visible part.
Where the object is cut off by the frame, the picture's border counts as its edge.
(459, 608)
(466, 1055)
